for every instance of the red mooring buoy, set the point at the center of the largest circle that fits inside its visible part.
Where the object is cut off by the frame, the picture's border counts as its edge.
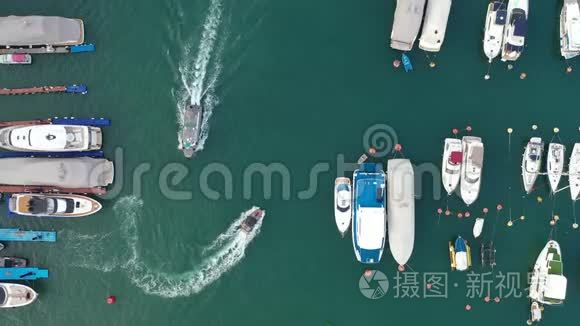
(111, 299)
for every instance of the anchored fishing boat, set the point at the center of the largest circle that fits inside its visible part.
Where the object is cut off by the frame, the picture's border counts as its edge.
(532, 163)
(555, 164)
(570, 29)
(434, 25)
(401, 209)
(406, 24)
(16, 295)
(342, 204)
(52, 205)
(451, 166)
(516, 30)
(51, 138)
(191, 129)
(369, 214)
(471, 169)
(460, 255)
(22, 274)
(548, 283)
(31, 236)
(10, 262)
(15, 59)
(574, 172)
(494, 28)
(253, 216)
(478, 227)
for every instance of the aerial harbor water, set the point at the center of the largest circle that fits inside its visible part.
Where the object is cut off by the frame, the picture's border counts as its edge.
(299, 90)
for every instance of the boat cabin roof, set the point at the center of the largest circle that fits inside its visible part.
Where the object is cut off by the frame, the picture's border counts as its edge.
(556, 287)
(40, 31)
(456, 157)
(41, 137)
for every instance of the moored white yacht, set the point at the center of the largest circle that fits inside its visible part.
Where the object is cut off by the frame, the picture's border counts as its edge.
(451, 165)
(555, 164)
(434, 25)
(401, 209)
(516, 29)
(51, 138)
(548, 283)
(16, 295)
(532, 163)
(406, 24)
(471, 169)
(53, 205)
(342, 204)
(494, 28)
(570, 29)
(574, 172)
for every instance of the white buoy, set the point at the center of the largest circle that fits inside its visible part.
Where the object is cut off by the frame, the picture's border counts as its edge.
(535, 127)
(556, 130)
(487, 77)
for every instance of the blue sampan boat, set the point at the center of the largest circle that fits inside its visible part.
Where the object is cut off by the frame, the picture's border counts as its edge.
(20, 235)
(24, 273)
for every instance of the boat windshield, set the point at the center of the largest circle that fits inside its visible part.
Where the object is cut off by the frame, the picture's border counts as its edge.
(3, 296)
(38, 205)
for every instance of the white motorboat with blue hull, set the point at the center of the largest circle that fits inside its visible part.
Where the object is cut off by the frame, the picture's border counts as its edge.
(369, 213)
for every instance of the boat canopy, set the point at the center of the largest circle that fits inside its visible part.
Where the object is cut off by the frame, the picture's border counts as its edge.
(372, 224)
(477, 156)
(520, 22)
(501, 17)
(406, 23)
(456, 157)
(497, 5)
(40, 31)
(555, 287)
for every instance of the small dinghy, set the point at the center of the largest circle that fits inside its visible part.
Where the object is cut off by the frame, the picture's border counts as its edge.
(494, 28)
(52, 205)
(15, 59)
(532, 163)
(471, 169)
(548, 283)
(16, 295)
(12, 262)
(406, 63)
(487, 254)
(478, 227)
(342, 204)
(253, 216)
(574, 172)
(555, 164)
(460, 255)
(451, 166)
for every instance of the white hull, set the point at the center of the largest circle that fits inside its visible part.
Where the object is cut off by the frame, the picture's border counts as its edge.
(51, 138)
(555, 164)
(532, 163)
(450, 170)
(342, 204)
(61, 205)
(494, 29)
(406, 24)
(435, 25)
(401, 209)
(16, 295)
(574, 172)
(547, 285)
(478, 227)
(513, 44)
(570, 29)
(471, 169)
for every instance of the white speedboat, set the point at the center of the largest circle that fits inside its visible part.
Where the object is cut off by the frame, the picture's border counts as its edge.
(401, 209)
(516, 29)
(532, 163)
(570, 29)
(51, 138)
(471, 169)
(53, 205)
(369, 213)
(342, 204)
(15, 59)
(478, 227)
(253, 217)
(16, 295)
(574, 172)
(451, 165)
(434, 25)
(548, 283)
(555, 164)
(406, 24)
(494, 28)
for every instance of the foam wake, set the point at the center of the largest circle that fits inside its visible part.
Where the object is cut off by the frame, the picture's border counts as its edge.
(219, 257)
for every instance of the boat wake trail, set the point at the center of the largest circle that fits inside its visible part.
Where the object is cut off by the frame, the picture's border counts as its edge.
(199, 73)
(219, 257)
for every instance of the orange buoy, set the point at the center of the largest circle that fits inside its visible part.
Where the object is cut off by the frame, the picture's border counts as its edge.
(398, 147)
(111, 299)
(401, 268)
(467, 307)
(485, 210)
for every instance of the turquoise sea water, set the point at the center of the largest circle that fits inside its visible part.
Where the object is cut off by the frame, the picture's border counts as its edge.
(296, 83)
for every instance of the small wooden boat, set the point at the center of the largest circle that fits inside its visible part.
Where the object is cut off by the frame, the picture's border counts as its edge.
(52, 205)
(16, 295)
(342, 204)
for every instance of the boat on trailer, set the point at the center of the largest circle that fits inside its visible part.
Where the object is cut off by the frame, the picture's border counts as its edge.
(406, 24)
(532, 163)
(451, 166)
(494, 28)
(471, 169)
(51, 138)
(574, 172)
(555, 164)
(342, 204)
(434, 25)
(16, 295)
(516, 30)
(52, 205)
(191, 129)
(548, 283)
(401, 209)
(570, 29)
(15, 59)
